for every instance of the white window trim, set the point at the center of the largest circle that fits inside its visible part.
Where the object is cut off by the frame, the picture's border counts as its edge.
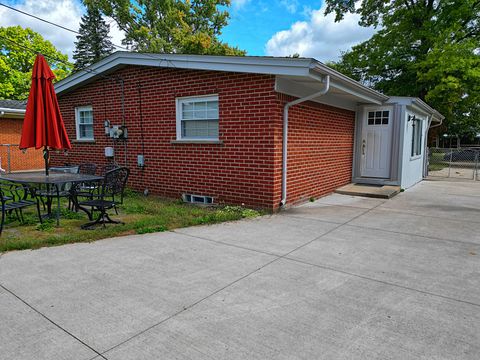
(421, 122)
(77, 123)
(178, 103)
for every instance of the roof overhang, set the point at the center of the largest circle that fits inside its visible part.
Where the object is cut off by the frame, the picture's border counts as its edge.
(301, 74)
(418, 105)
(12, 113)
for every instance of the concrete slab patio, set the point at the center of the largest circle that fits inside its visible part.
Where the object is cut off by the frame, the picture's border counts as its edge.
(341, 278)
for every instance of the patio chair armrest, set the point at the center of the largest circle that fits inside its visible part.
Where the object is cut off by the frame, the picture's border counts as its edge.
(15, 191)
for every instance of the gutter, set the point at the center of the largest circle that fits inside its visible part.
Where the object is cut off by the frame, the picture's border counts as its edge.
(13, 113)
(6, 111)
(285, 133)
(440, 122)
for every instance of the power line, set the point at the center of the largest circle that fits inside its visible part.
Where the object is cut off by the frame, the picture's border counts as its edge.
(36, 17)
(57, 59)
(54, 24)
(76, 32)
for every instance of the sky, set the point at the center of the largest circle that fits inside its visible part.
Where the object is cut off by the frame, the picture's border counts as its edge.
(261, 27)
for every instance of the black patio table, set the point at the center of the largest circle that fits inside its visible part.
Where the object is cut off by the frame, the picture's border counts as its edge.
(54, 179)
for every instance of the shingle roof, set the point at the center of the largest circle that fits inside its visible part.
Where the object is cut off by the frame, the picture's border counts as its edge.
(13, 104)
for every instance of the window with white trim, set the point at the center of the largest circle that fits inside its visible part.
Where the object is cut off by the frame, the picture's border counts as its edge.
(84, 122)
(197, 118)
(416, 136)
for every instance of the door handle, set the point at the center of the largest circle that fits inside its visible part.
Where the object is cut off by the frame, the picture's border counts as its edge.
(363, 146)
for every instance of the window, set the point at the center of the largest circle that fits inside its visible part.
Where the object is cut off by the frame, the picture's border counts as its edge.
(378, 117)
(416, 136)
(197, 118)
(84, 122)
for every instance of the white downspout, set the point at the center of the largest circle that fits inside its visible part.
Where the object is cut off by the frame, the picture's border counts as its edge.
(285, 134)
(426, 154)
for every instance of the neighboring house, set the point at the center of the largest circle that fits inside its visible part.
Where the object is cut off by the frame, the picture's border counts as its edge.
(11, 121)
(215, 126)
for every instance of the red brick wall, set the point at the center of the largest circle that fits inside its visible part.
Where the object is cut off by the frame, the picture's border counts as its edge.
(239, 171)
(10, 133)
(246, 168)
(320, 150)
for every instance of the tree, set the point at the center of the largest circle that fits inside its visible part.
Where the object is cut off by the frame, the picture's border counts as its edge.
(16, 62)
(424, 48)
(170, 26)
(93, 43)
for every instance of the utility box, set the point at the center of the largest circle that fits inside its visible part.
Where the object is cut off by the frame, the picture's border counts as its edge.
(109, 152)
(140, 161)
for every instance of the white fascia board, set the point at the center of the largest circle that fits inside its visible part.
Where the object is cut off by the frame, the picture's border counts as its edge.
(347, 83)
(359, 94)
(418, 105)
(257, 65)
(300, 67)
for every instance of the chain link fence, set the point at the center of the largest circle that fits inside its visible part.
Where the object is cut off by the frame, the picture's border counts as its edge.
(13, 159)
(461, 163)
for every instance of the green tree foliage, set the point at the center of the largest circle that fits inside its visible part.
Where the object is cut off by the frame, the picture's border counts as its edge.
(93, 43)
(16, 62)
(171, 26)
(424, 48)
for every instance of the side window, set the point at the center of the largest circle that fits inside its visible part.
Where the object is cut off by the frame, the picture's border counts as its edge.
(417, 132)
(198, 118)
(84, 122)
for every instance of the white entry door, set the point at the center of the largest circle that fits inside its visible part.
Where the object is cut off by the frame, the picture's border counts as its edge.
(376, 144)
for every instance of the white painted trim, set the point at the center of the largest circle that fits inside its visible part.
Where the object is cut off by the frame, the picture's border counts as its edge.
(302, 67)
(418, 105)
(422, 119)
(391, 125)
(359, 94)
(178, 111)
(77, 124)
(294, 88)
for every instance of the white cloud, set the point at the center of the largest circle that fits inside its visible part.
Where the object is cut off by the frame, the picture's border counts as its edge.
(63, 12)
(319, 37)
(237, 4)
(290, 5)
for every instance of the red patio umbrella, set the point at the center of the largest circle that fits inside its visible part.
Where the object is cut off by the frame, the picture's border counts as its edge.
(43, 124)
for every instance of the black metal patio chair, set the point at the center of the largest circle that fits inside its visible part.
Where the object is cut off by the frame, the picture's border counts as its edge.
(50, 192)
(111, 194)
(87, 168)
(87, 189)
(14, 199)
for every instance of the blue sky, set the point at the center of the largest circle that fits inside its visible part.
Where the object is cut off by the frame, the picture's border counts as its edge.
(253, 23)
(262, 27)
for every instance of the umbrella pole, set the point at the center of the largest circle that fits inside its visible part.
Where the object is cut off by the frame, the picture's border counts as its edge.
(45, 157)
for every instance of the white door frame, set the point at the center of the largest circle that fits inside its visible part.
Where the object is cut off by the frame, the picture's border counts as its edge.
(376, 143)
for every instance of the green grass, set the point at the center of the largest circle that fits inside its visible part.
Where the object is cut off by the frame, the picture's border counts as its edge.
(436, 161)
(141, 215)
(437, 167)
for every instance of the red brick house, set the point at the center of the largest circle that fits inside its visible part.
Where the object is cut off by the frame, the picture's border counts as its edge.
(217, 126)
(11, 121)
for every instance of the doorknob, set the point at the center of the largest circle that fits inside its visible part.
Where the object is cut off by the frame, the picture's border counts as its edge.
(363, 146)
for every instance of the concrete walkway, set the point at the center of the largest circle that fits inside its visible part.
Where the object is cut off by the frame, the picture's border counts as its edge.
(341, 278)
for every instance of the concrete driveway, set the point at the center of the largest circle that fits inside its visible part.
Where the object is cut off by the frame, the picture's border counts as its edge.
(341, 278)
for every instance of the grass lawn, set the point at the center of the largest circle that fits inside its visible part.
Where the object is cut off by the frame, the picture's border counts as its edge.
(437, 166)
(141, 215)
(436, 161)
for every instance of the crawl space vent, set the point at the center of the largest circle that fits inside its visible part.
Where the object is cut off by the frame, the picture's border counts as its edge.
(197, 199)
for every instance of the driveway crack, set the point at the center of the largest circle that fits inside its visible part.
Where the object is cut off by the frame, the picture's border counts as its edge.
(188, 307)
(99, 354)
